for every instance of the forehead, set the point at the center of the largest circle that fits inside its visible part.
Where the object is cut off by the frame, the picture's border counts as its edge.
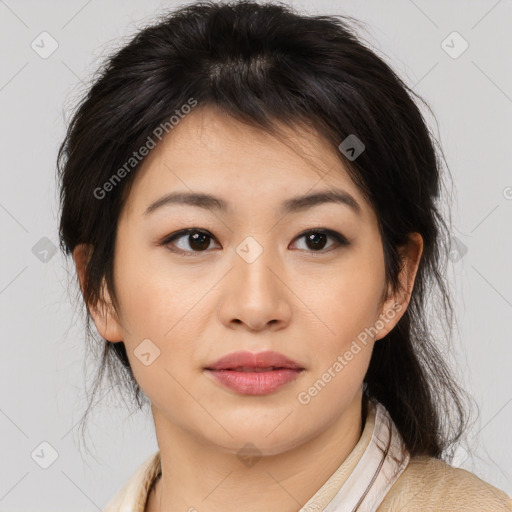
(209, 151)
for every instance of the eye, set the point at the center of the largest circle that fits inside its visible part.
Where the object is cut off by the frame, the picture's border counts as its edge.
(315, 239)
(196, 239)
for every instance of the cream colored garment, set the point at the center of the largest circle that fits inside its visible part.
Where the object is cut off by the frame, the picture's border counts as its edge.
(381, 464)
(431, 485)
(422, 484)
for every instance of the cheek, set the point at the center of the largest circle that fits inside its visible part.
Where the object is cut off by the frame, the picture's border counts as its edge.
(156, 308)
(154, 294)
(152, 304)
(348, 308)
(348, 299)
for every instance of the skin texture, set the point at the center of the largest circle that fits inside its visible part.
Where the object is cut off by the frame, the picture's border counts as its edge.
(306, 303)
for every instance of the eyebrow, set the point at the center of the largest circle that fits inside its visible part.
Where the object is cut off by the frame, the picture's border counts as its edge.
(293, 205)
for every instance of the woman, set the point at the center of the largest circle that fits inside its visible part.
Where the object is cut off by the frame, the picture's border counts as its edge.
(250, 197)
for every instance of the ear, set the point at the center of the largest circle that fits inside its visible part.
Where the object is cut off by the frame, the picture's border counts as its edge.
(396, 303)
(103, 313)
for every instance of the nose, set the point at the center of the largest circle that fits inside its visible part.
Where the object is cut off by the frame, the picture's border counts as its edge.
(255, 294)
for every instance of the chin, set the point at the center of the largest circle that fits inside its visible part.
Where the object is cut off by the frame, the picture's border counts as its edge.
(259, 439)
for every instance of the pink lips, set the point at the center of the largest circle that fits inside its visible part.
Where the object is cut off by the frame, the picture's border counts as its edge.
(254, 374)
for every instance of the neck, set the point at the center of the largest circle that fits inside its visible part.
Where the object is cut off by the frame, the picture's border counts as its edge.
(201, 476)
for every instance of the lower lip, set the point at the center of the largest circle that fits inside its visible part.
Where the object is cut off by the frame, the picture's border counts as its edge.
(255, 383)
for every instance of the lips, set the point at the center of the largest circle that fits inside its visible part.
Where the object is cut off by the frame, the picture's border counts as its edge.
(254, 368)
(248, 361)
(254, 374)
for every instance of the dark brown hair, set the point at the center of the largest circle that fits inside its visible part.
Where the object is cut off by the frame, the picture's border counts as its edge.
(266, 64)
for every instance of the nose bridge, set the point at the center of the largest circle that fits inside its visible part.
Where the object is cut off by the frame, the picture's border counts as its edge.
(255, 261)
(254, 294)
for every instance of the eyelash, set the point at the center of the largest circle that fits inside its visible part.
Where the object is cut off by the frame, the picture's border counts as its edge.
(340, 240)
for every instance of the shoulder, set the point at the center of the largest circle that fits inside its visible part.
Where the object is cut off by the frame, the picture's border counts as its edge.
(429, 484)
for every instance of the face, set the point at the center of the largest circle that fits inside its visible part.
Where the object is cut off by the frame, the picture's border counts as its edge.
(306, 282)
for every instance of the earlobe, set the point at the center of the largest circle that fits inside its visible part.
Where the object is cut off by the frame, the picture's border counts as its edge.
(103, 313)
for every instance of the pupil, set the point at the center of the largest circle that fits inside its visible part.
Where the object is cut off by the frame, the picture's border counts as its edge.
(197, 238)
(316, 244)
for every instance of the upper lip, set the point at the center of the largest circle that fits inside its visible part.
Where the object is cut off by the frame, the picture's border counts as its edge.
(254, 360)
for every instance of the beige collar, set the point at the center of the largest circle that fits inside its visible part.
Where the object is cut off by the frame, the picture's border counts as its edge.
(383, 461)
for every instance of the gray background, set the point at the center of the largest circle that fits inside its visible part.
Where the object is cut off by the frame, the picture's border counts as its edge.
(43, 377)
